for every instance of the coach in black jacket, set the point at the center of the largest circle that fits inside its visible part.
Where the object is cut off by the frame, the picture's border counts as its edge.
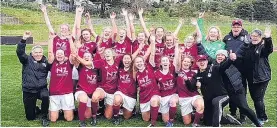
(233, 41)
(34, 83)
(257, 68)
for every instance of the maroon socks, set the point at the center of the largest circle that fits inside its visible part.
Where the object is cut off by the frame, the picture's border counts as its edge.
(81, 111)
(154, 114)
(172, 113)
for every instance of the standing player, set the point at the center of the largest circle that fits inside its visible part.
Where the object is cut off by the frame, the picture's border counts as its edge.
(87, 84)
(188, 98)
(61, 84)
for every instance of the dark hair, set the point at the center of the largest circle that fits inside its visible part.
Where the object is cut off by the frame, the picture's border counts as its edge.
(81, 37)
(258, 31)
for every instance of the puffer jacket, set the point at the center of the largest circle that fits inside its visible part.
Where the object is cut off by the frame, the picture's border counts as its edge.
(255, 60)
(34, 73)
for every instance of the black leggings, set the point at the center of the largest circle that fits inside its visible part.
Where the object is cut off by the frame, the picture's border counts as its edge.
(214, 109)
(30, 100)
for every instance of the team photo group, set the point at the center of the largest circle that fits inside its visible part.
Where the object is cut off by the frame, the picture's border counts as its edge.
(114, 71)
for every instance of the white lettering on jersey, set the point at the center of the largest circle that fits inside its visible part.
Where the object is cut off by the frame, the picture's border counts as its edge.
(111, 75)
(145, 81)
(62, 71)
(168, 85)
(91, 79)
(121, 50)
(125, 78)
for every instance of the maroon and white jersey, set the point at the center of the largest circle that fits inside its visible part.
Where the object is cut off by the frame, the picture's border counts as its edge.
(61, 78)
(87, 79)
(62, 44)
(170, 53)
(182, 89)
(136, 46)
(126, 83)
(106, 44)
(124, 48)
(147, 84)
(192, 51)
(167, 82)
(160, 47)
(87, 47)
(109, 75)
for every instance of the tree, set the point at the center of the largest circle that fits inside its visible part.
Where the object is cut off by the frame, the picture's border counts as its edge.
(264, 10)
(244, 9)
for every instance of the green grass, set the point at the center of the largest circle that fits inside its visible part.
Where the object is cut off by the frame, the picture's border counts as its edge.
(12, 110)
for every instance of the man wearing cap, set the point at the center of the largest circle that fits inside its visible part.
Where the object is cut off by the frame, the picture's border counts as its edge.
(233, 41)
(34, 83)
(214, 92)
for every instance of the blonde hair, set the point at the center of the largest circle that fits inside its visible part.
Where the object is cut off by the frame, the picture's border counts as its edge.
(219, 37)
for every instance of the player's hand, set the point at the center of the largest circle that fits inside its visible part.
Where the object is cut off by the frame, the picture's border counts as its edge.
(87, 15)
(201, 14)
(267, 32)
(113, 15)
(124, 12)
(26, 35)
(140, 11)
(80, 9)
(193, 21)
(233, 56)
(131, 17)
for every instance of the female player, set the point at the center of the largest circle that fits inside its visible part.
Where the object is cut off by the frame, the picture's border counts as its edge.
(61, 84)
(212, 42)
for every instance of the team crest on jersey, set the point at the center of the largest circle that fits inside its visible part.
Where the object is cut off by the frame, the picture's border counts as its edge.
(209, 74)
(159, 50)
(145, 81)
(121, 50)
(44, 64)
(111, 75)
(91, 79)
(61, 71)
(241, 38)
(125, 78)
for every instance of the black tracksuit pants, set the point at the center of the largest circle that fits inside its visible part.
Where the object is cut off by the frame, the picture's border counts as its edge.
(239, 99)
(257, 92)
(214, 109)
(30, 99)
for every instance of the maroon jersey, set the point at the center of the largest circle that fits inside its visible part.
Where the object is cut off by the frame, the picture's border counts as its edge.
(192, 51)
(87, 47)
(170, 53)
(87, 79)
(167, 82)
(136, 46)
(147, 84)
(182, 89)
(106, 44)
(62, 44)
(109, 75)
(126, 83)
(124, 48)
(159, 52)
(61, 78)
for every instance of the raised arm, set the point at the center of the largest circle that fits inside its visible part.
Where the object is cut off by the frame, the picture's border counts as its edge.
(181, 21)
(89, 22)
(20, 50)
(176, 55)
(140, 11)
(114, 29)
(76, 31)
(268, 46)
(82, 61)
(153, 49)
(46, 18)
(132, 27)
(201, 25)
(51, 56)
(134, 55)
(199, 34)
(125, 14)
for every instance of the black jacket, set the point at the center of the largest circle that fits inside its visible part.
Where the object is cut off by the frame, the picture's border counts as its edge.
(233, 43)
(231, 77)
(255, 60)
(34, 73)
(211, 81)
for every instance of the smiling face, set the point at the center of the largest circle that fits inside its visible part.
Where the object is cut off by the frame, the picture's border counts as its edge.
(122, 34)
(127, 60)
(189, 41)
(37, 54)
(220, 57)
(60, 55)
(141, 37)
(256, 38)
(87, 56)
(108, 54)
(107, 33)
(169, 40)
(86, 35)
(186, 63)
(202, 64)
(213, 34)
(159, 33)
(165, 62)
(236, 29)
(64, 29)
(139, 63)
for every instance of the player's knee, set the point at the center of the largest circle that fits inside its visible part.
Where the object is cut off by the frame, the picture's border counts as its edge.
(53, 119)
(83, 98)
(68, 118)
(155, 101)
(108, 115)
(117, 100)
(146, 118)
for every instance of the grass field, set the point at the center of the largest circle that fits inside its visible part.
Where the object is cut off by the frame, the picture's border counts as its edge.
(12, 110)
